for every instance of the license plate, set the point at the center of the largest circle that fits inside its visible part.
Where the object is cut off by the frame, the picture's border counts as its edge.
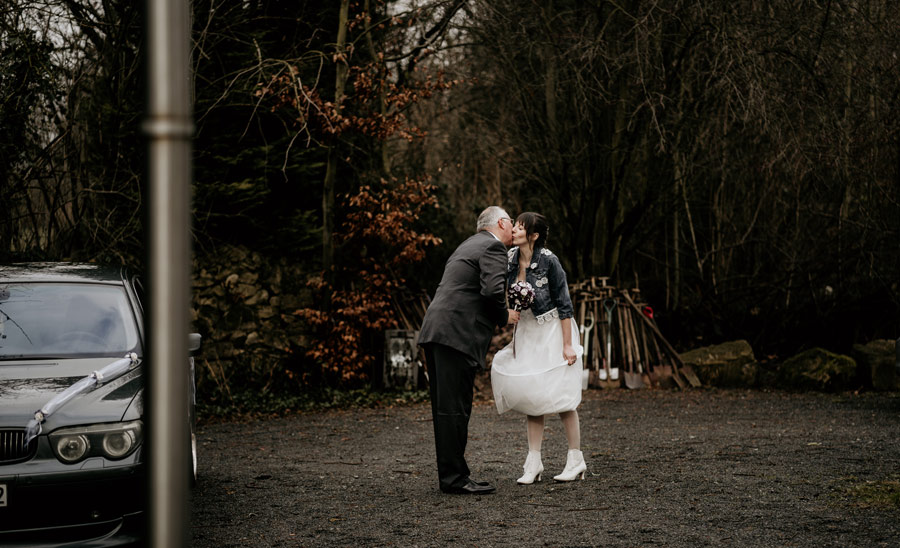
(2, 495)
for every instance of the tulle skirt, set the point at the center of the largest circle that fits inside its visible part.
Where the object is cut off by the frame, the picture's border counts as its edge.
(537, 381)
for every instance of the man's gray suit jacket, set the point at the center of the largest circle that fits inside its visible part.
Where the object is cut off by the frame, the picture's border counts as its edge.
(471, 298)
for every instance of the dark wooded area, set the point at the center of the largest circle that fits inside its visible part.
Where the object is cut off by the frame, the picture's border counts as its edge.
(739, 161)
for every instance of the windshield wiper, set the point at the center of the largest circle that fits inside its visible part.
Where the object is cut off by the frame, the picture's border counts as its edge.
(15, 323)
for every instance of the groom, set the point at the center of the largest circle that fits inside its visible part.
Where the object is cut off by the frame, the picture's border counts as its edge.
(470, 301)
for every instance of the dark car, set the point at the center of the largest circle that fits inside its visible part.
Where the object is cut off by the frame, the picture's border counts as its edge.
(72, 378)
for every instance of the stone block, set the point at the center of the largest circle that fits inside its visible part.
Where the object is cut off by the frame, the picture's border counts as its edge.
(876, 362)
(726, 365)
(817, 369)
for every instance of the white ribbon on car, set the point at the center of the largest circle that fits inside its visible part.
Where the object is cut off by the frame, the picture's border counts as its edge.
(106, 374)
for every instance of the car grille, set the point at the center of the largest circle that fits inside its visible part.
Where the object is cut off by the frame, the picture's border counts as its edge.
(12, 447)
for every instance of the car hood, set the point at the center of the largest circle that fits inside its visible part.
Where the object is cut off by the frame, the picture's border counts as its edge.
(27, 385)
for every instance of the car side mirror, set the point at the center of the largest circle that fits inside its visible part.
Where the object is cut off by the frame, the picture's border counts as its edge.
(194, 342)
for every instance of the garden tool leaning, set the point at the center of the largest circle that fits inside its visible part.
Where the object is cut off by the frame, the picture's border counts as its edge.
(585, 330)
(609, 305)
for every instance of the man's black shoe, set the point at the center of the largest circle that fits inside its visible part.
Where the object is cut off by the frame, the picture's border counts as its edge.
(472, 488)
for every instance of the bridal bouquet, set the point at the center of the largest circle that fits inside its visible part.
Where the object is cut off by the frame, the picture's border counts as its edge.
(521, 296)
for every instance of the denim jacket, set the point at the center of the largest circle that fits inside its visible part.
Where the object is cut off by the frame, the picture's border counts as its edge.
(547, 277)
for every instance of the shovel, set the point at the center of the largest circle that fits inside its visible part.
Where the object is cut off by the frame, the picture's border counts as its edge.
(632, 377)
(609, 305)
(651, 374)
(585, 346)
(640, 350)
(582, 306)
(599, 336)
(597, 358)
(586, 336)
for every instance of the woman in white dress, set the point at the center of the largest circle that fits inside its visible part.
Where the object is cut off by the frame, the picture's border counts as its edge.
(539, 372)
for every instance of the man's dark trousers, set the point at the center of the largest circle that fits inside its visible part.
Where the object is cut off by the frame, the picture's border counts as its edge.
(451, 376)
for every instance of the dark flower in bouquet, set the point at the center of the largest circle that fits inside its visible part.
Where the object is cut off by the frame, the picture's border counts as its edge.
(520, 296)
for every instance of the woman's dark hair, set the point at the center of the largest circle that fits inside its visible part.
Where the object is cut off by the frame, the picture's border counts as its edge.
(535, 223)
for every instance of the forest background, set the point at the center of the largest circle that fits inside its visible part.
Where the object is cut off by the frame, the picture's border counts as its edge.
(739, 161)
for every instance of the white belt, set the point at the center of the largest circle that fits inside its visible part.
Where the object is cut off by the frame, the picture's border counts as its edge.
(547, 316)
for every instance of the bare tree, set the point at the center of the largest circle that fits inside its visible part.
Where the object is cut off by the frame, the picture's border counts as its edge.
(75, 192)
(739, 158)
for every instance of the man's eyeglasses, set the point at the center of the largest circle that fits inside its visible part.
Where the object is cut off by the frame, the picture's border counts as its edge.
(506, 219)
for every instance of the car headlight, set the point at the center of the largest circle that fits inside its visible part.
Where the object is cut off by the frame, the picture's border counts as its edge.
(72, 447)
(113, 441)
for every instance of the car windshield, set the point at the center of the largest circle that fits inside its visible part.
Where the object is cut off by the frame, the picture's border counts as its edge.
(65, 320)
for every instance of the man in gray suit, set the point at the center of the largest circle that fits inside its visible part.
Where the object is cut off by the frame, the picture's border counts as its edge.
(459, 323)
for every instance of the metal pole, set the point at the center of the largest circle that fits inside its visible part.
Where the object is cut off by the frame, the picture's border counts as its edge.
(169, 127)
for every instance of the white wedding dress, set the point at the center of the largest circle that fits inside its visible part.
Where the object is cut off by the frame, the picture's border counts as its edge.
(537, 381)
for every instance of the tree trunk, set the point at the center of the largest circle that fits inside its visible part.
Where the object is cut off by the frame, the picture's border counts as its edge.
(340, 81)
(382, 106)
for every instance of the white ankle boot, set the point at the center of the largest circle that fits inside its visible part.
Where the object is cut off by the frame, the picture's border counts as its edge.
(533, 468)
(575, 466)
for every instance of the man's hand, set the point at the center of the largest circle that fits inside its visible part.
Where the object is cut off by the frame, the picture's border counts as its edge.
(513, 317)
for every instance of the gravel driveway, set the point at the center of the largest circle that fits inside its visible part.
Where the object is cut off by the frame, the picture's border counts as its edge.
(665, 468)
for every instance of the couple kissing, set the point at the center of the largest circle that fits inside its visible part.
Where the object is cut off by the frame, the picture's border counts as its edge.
(537, 374)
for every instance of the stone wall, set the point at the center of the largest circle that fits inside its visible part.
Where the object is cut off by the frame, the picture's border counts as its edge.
(242, 305)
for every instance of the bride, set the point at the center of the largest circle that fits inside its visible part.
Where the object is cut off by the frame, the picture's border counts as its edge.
(539, 372)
